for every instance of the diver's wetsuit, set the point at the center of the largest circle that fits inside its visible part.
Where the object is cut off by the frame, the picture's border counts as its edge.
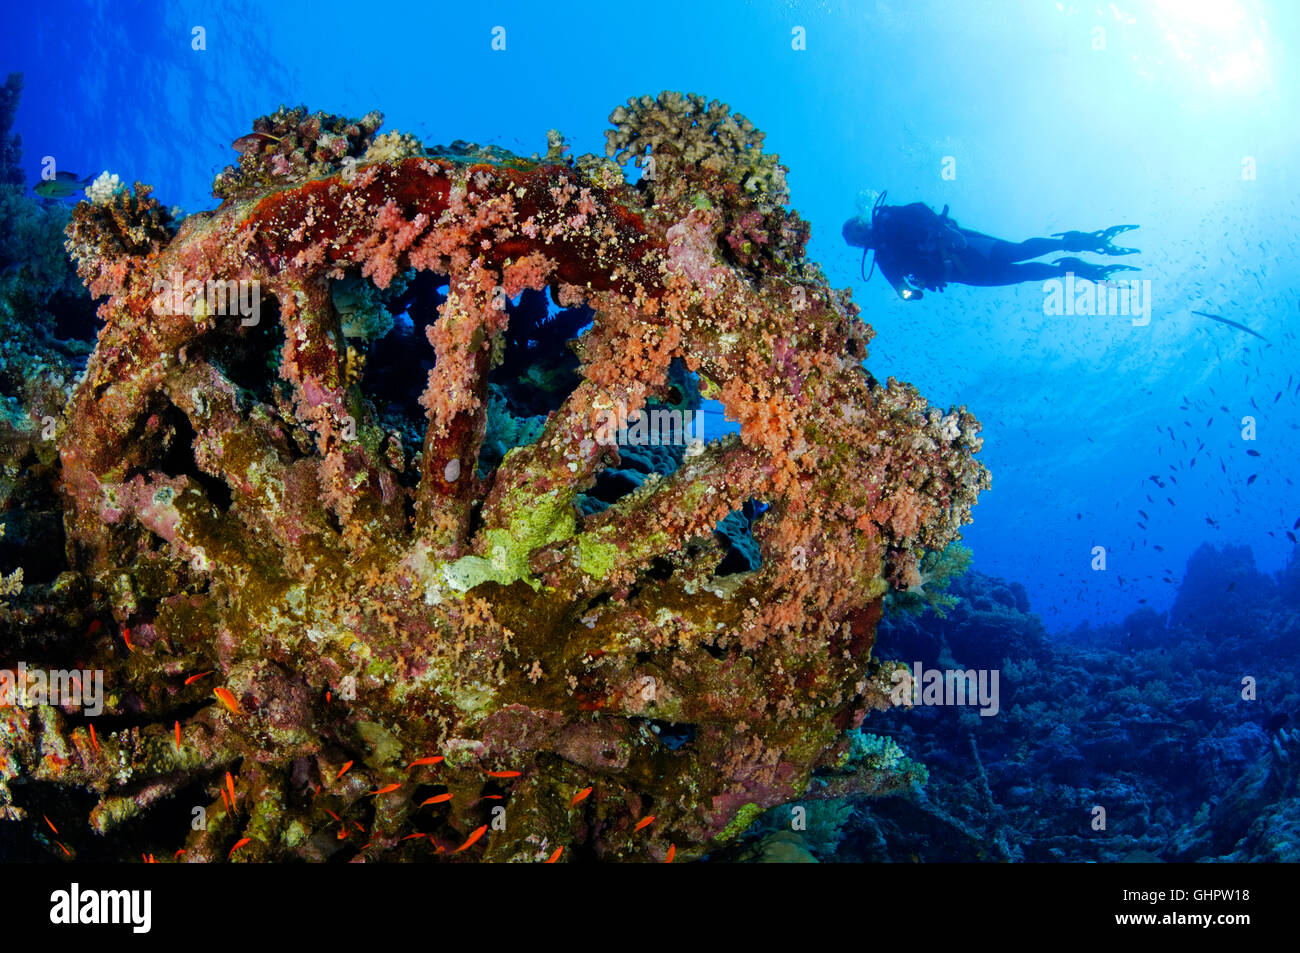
(917, 247)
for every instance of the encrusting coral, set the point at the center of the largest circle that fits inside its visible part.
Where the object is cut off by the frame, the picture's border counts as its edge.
(307, 611)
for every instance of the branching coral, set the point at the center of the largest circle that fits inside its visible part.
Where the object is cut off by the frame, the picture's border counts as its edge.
(114, 241)
(358, 604)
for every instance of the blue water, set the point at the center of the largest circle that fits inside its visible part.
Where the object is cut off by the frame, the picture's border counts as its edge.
(1050, 125)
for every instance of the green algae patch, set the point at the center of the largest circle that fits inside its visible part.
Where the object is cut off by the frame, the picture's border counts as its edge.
(470, 571)
(384, 746)
(295, 833)
(547, 519)
(596, 558)
(746, 816)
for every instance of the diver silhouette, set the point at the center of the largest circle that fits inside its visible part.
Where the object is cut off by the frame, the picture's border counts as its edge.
(918, 248)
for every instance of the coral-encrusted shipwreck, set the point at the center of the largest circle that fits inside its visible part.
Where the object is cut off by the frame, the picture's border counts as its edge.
(369, 602)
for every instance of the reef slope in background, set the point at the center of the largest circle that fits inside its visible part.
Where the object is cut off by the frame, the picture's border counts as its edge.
(1164, 738)
(368, 587)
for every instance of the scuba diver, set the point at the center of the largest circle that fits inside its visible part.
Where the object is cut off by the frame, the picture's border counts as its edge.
(918, 248)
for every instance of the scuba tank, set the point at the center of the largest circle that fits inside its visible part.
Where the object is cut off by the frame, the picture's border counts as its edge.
(875, 211)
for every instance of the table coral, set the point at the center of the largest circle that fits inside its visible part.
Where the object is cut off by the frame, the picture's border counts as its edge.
(363, 604)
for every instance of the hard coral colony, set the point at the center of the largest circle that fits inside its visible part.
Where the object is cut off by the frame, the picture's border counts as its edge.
(350, 640)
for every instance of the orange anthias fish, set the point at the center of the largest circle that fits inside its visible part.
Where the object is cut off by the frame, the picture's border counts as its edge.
(472, 839)
(504, 774)
(437, 799)
(432, 759)
(242, 842)
(644, 822)
(194, 678)
(555, 856)
(343, 770)
(580, 796)
(226, 698)
(178, 737)
(230, 786)
(386, 789)
(672, 852)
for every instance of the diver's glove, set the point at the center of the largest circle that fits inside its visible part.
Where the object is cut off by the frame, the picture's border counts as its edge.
(1089, 271)
(1097, 242)
(906, 290)
(910, 288)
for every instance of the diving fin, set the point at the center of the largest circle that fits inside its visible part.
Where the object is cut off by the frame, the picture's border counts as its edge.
(1098, 242)
(1106, 234)
(1090, 271)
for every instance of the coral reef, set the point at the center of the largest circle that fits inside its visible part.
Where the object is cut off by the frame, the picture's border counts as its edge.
(11, 147)
(41, 300)
(1149, 720)
(46, 318)
(290, 146)
(690, 148)
(1211, 573)
(349, 634)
